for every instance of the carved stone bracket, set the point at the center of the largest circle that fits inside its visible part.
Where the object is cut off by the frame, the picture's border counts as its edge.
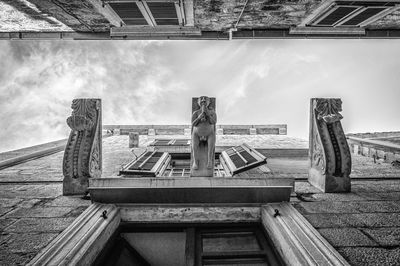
(329, 152)
(82, 157)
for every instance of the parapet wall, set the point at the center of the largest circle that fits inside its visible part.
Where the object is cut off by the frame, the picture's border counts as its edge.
(280, 129)
(370, 135)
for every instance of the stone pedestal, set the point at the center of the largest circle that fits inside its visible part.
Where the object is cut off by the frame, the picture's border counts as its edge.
(152, 132)
(83, 152)
(133, 139)
(329, 152)
(253, 131)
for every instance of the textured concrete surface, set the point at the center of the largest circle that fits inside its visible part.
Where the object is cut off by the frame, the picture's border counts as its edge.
(364, 225)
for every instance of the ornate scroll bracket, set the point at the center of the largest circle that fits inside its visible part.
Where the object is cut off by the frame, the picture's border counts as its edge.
(82, 157)
(329, 152)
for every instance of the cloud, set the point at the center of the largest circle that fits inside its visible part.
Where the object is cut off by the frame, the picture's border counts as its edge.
(152, 82)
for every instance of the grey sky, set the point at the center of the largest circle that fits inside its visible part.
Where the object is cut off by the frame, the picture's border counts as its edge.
(142, 82)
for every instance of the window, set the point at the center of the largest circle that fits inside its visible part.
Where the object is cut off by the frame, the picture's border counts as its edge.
(190, 245)
(241, 158)
(150, 163)
(351, 13)
(149, 13)
(233, 246)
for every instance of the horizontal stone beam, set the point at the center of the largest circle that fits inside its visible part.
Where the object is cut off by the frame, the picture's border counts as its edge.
(189, 190)
(205, 35)
(31, 156)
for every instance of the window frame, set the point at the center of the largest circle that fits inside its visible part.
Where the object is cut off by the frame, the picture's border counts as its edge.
(194, 249)
(329, 7)
(157, 168)
(148, 15)
(230, 167)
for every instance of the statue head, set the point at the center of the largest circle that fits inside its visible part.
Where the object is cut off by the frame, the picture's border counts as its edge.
(203, 100)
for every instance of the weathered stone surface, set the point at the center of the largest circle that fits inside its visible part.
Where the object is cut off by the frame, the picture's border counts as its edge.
(29, 203)
(343, 237)
(47, 15)
(348, 207)
(27, 242)
(31, 191)
(371, 256)
(223, 14)
(40, 212)
(8, 258)
(337, 197)
(63, 201)
(190, 214)
(4, 210)
(6, 222)
(6, 202)
(384, 236)
(45, 225)
(77, 211)
(364, 220)
(333, 220)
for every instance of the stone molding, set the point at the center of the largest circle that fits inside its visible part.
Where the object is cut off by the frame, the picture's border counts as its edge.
(196, 190)
(31, 156)
(295, 239)
(329, 152)
(83, 240)
(83, 153)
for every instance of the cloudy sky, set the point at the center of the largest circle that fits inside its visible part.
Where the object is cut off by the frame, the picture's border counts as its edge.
(142, 82)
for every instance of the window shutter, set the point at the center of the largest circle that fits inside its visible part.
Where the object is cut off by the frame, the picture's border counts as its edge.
(241, 158)
(150, 163)
(171, 142)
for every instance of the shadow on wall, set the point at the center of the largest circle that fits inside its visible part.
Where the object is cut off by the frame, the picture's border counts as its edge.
(78, 15)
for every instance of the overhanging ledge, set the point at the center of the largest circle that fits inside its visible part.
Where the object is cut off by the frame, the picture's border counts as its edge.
(188, 191)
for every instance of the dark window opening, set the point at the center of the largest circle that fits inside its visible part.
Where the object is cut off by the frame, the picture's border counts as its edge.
(200, 244)
(129, 13)
(164, 13)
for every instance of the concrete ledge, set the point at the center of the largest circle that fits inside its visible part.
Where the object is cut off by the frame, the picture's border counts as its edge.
(187, 191)
(32, 156)
(188, 214)
(278, 129)
(326, 30)
(83, 240)
(296, 241)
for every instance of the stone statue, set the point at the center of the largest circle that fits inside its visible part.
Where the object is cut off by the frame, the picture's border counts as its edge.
(329, 152)
(203, 138)
(82, 156)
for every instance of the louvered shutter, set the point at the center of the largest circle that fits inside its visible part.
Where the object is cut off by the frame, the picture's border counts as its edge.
(241, 158)
(150, 163)
(171, 142)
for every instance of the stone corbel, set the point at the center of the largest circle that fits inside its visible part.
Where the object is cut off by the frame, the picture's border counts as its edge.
(83, 153)
(329, 152)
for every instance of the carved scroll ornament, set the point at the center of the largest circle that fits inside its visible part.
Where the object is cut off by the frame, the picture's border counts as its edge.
(82, 157)
(329, 152)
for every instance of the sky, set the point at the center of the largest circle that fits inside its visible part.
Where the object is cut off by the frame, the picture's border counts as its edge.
(152, 82)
